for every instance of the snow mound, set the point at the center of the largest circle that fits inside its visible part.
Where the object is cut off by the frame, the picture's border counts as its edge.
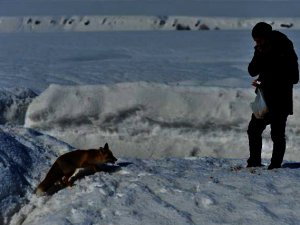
(24, 154)
(15, 164)
(140, 119)
(129, 23)
(153, 120)
(173, 191)
(66, 106)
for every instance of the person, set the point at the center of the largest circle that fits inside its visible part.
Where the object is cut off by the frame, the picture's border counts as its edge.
(276, 65)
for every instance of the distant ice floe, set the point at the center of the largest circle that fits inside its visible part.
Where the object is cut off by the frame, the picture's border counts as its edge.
(136, 23)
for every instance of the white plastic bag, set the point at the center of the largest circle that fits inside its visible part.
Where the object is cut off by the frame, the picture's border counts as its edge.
(259, 107)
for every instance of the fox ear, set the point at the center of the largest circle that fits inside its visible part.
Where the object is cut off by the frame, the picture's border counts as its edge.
(106, 146)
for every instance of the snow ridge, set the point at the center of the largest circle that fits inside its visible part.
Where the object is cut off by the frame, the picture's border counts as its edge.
(136, 23)
(151, 120)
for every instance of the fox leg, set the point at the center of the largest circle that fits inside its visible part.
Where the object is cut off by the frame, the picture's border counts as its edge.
(66, 179)
(94, 168)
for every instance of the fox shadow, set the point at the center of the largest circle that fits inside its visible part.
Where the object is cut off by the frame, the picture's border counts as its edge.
(82, 173)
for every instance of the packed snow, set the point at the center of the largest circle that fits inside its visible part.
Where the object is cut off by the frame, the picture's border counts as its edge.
(173, 106)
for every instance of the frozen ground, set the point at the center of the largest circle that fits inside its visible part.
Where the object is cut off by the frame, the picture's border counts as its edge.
(215, 58)
(36, 60)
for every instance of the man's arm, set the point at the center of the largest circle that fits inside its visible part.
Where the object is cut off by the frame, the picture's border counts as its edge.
(295, 67)
(255, 65)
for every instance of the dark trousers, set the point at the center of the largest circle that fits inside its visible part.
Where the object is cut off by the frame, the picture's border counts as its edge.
(255, 130)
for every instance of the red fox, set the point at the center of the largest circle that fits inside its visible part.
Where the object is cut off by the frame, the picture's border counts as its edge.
(66, 164)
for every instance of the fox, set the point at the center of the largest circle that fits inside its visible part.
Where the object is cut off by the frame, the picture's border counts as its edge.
(65, 166)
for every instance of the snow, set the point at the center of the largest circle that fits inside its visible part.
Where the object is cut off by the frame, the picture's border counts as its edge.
(172, 191)
(173, 106)
(164, 190)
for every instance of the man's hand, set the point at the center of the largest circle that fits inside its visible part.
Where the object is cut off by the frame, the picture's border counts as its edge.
(256, 83)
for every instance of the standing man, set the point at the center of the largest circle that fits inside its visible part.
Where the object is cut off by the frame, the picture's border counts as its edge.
(276, 65)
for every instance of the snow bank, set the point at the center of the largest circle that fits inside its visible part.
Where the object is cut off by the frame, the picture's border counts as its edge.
(15, 164)
(130, 23)
(13, 104)
(24, 154)
(153, 120)
(173, 191)
(134, 191)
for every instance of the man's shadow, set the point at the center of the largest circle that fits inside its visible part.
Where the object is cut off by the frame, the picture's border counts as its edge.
(106, 168)
(293, 165)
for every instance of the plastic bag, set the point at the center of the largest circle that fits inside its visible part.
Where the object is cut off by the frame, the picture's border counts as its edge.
(259, 106)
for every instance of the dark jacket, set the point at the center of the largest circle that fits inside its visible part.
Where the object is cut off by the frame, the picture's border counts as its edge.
(277, 67)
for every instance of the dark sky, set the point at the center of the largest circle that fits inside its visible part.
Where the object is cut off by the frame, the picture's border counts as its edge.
(155, 7)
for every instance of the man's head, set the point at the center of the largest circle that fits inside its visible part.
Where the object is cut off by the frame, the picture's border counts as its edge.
(261, 33)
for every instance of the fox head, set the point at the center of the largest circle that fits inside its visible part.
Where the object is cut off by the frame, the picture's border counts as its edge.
(107, 154)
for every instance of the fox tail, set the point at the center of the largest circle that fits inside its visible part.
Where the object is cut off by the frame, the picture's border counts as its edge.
(55, 173)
